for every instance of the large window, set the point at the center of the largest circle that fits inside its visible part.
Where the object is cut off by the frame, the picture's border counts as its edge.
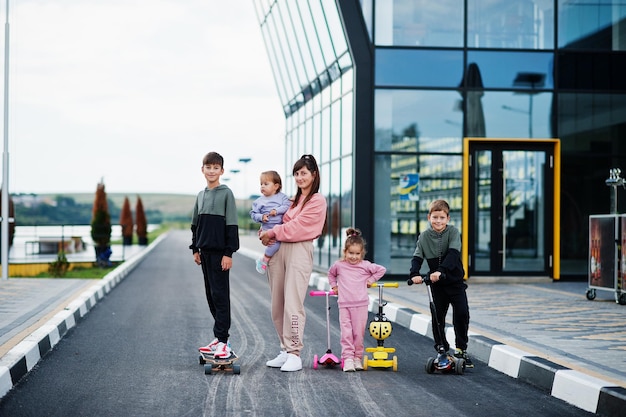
(593, 25)
(404, 187)
(419, 23)
(418, 120)
(420, 68)
(510, 24)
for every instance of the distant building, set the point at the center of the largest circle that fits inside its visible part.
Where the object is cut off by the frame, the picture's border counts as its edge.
(386, 92)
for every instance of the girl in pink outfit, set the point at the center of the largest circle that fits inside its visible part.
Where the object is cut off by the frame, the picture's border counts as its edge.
(289, 270)
(350, 277)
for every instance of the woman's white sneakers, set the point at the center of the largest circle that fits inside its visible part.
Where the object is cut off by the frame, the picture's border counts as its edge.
(287, 362)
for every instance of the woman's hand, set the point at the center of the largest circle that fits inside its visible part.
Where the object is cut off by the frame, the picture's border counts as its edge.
(266, 240)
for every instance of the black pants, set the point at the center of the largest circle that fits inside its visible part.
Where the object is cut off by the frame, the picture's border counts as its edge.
(444, 296)
(217, 287)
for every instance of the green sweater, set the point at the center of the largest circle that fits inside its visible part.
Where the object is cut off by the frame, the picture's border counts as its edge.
(214, 222)
(442, 252)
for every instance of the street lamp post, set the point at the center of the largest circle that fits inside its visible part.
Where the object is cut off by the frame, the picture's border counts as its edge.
(234, 172)
(4, 228)
(245, 161)
(533, 80)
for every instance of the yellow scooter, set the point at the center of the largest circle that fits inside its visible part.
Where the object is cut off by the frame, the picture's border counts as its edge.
(380, 328)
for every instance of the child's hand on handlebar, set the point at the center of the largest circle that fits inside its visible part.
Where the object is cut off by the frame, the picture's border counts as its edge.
(417, 279)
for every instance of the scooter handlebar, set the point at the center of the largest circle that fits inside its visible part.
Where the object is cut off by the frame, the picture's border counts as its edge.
(385, 284)
(425, 278)
(317, 293)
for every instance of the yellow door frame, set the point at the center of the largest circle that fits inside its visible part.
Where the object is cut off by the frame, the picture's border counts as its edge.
(556, 244)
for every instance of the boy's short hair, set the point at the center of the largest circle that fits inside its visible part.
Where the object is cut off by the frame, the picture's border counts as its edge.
(439, 205)
(213, 158)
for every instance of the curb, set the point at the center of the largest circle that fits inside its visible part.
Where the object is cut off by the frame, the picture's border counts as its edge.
(20, 360)
(581, 390)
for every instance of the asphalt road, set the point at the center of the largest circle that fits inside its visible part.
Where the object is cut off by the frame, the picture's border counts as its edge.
(135, 354)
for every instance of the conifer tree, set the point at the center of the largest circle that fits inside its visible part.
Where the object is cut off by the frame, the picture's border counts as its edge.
(126, 221)
(101, 227)
(142, 223)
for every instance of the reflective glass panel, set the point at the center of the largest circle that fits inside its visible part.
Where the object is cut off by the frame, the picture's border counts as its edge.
(335, 27)
(519, 70)
(346, 124)
(310, 33)
(417, 120)
(282, 55)
(517, 115)
(420, 68)
(525, 24)
(292, 48)
(323, 34)
(595, 25)
(300, 38)
(419, 22)
(404, 187)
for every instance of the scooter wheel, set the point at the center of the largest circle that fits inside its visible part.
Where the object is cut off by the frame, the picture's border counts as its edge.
(459, 366)
(430, 366)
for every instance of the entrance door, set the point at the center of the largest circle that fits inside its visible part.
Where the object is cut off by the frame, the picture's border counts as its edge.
(511, 206)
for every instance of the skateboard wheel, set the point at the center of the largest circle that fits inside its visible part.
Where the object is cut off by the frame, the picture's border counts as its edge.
(430, 365)
(395, 364)
(460, 366)
(315, 363)
(208, 369)
(236, 369)
(365, 359)
(201, 359)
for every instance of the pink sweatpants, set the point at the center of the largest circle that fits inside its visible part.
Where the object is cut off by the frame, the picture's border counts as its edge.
(289, 271)
(352, 322)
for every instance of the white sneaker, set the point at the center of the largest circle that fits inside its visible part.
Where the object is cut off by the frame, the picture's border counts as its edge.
(210, 348)
(358, 364)
(348, 365)
(293, 363)
(222, 351)
(278, 361)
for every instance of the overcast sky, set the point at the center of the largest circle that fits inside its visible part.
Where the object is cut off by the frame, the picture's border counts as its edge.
(136, 92)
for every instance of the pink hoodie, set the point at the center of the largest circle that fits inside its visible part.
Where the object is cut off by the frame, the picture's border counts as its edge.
(302, 223)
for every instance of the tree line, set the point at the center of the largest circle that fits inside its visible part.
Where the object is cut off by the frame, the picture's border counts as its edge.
(66, 211)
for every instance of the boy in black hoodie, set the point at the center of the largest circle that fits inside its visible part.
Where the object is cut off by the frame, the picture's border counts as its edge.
(440, 246)
(215, 237)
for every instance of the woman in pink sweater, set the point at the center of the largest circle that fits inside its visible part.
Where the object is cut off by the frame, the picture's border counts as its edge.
(289, 270)
(350, 277)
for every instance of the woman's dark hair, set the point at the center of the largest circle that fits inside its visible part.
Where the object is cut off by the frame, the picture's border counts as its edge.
(310, 163)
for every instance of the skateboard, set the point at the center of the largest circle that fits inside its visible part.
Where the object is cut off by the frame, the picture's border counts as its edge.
(214, 365)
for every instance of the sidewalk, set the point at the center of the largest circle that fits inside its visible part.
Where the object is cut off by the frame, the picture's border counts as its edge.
(542, 332)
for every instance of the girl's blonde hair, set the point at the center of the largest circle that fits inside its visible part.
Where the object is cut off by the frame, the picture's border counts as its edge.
(354, 237)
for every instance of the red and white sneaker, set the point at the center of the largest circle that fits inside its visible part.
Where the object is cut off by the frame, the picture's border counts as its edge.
(222, 351)
(210, 348)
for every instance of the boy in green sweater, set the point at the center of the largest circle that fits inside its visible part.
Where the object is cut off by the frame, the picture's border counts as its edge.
(215, 237)
(440, 246)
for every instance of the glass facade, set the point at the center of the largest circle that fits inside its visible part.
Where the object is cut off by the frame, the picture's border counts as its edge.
(383, 93)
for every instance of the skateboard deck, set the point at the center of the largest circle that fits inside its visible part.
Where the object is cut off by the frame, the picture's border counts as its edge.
(214, 365)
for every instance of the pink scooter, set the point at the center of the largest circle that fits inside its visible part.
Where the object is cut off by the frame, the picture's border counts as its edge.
(328, 359)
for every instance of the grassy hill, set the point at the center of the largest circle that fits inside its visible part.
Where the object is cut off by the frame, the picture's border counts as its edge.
(171, 205)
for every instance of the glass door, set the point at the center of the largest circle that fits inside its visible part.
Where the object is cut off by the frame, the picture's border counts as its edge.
(510, 195)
